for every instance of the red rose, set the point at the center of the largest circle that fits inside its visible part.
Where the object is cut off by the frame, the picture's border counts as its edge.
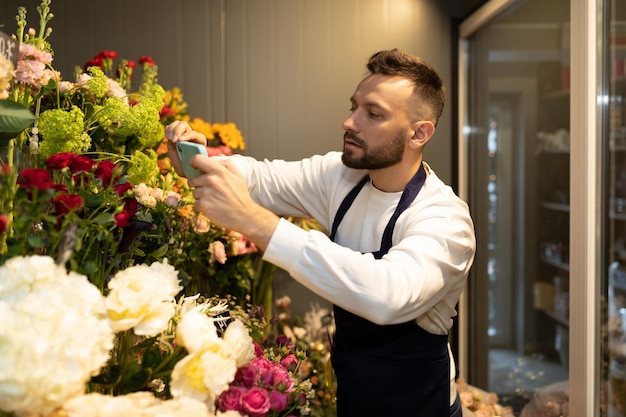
(4, 222)
(130, 208)
(81, 163)
(60, 160)
(122, 219)
(131, 64)
(146, 60)
(35, 178)
(66, 203)
(104, 171)
(121, 189)
(6, 169)
(255, 402)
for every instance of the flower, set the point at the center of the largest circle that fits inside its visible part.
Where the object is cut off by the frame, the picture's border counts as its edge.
(141, 298)
(212, 361)
(48, 354)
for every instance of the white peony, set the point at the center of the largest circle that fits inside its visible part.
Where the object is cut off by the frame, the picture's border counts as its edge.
(238, 337)
(138, 404)
(55, 335)
(142, 298)
(212, 361)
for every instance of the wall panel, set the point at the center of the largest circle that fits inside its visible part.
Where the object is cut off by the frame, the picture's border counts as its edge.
(283, 70)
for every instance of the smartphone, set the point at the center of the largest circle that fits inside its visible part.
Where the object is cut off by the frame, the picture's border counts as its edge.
(185, 151)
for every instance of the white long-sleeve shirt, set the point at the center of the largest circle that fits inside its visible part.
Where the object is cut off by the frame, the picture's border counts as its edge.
(422, 275)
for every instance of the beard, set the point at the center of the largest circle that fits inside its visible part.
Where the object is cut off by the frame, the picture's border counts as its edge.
(381, 156)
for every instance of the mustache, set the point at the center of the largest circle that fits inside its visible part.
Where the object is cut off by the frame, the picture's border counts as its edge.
(353, 138)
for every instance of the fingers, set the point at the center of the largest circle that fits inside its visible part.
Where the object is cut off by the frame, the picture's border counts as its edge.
(214, 168)
(180, 131)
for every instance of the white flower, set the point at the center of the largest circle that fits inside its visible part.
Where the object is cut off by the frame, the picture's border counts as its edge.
(54, 335)
(6, 74)
(172, 199)
(195, 330)
(138, 404)
(212, 361)
(238, 336)
(142, 298)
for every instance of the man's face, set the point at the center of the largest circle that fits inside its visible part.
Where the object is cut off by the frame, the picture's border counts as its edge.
(378, 127)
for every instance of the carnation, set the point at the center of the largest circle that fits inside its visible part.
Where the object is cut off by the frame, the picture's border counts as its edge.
(47, 355)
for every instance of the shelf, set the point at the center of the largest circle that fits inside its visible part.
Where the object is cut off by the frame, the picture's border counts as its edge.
(553, 262)
(556, 317)
(555, 206)
(555, 151)
(617, 216)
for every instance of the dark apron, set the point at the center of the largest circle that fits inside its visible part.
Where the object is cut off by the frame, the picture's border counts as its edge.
(392, 370)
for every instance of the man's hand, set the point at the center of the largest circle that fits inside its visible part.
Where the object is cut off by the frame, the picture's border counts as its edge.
(180, 131)
(222, 195)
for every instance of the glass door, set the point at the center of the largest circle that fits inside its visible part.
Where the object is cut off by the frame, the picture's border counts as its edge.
(613, 387)
(519, 192)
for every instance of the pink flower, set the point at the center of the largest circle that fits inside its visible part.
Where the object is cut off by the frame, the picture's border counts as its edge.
(31, 65)
(290, 362)
(219, 150)
(246, 376)
(255, 402)
(278, 400)
(218, 252)
(231, 399)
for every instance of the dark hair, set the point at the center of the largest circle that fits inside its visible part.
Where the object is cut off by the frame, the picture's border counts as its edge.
(428, 90)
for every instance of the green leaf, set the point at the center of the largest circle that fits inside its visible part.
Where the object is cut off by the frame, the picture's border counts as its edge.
(151, 357)
(14, 118)
(35, 241)
(104, 218)
(160, 252)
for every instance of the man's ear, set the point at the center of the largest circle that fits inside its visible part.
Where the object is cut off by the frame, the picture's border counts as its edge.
(422, 132)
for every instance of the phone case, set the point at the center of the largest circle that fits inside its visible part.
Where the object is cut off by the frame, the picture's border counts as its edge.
(185, 151)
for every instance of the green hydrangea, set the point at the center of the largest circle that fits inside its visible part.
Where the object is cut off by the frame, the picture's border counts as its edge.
(142, 120)
(97, 85)
(143, 168)
(63, 131)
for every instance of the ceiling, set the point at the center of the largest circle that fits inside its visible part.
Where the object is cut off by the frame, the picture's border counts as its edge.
(461, 9)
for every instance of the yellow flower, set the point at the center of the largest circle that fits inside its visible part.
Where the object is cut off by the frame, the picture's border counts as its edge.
(199, 125)
(229, 135)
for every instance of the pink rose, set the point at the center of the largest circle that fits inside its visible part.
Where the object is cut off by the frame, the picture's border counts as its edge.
(281, 379)
(231, 399)
(246, 376)
(255, 402)
(278, 400)
(290, 362)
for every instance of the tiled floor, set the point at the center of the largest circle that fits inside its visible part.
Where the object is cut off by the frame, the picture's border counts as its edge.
(515, 378)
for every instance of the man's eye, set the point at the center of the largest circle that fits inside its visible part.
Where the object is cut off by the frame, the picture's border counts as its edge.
(374, 115)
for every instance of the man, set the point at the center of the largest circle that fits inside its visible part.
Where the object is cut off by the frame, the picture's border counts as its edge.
(400, 246)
